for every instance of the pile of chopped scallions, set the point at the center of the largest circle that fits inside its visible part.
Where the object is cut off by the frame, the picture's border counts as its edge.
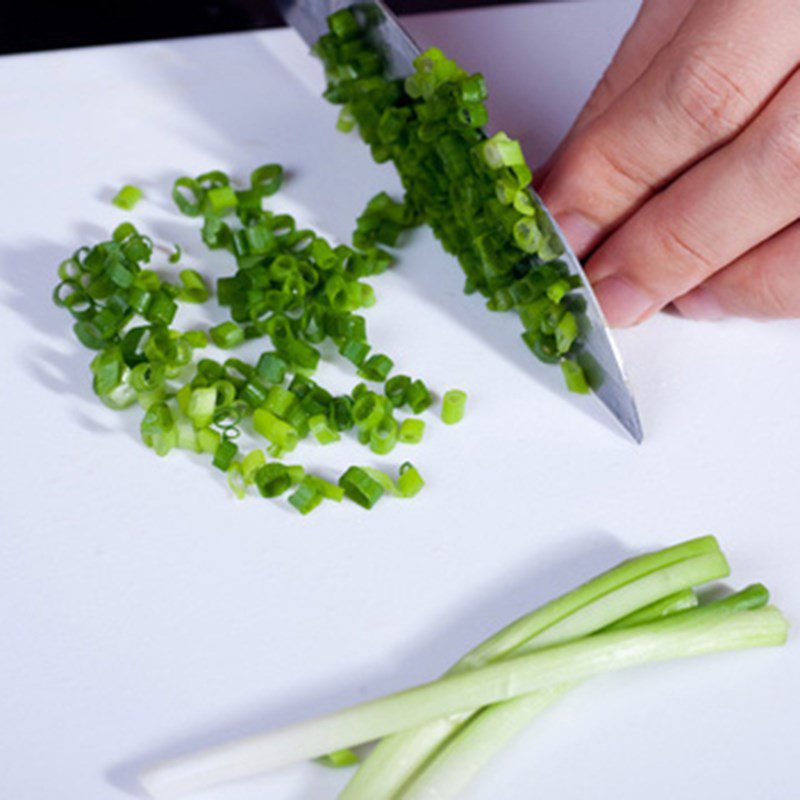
(434, 738)
(473, 191)
(291, 287)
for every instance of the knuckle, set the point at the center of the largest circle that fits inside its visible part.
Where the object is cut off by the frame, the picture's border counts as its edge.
(621, 175)
(603, 92)
(707, 95)
(782, 142)
(771, 297)
(685, 256)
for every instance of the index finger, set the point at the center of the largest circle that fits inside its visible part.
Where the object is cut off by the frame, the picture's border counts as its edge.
(654, 26)
(702, 89)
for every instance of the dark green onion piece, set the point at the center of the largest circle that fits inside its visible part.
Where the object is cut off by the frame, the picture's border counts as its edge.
(376, 368)
(360, 487)
(396, 389)
(225, 453)
(418, 397)
(272, 479)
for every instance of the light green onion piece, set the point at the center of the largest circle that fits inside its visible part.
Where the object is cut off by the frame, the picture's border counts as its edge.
(220, 199)
(306, 497)
(341, 758)
(296, 473)
(226, 335)
(127, 197)
(330, 491)
(194, 289)
(208, 440)
(236, 480)
(383, 437)
(322, 431)
(251, 463)
(454, 403)
(202, 406)
(410, 482)
(574, 376)
(280, 433)
(411, 430)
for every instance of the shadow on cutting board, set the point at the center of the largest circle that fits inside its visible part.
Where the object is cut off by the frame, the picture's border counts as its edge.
(506, 598)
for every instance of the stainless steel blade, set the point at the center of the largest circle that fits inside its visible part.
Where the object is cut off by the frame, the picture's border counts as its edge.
(599, 355)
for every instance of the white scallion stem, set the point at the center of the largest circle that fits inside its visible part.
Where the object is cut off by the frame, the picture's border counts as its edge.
(693, 633)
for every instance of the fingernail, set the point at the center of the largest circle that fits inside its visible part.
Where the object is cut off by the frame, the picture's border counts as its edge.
(580, 233)
(623, 303)
(699, 304)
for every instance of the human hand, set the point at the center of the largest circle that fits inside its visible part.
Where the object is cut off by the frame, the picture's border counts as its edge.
(683, 170)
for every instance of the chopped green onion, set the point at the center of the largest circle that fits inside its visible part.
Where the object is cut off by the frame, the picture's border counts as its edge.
(272, 479)
(251, 463)
(226, 335)
(418, 397)
(236, 481)
(339, 758)
(376, 368)
(574, 376)
(454, 403)
(272, 367)
(411, 431)
(361, 488)
(322, 431)
(279, 433)
(225, 453)
(194, 289)
(127, 197)
(328, 490)
(410, 482)
(383, 437)
(396, 389)
(306, 497)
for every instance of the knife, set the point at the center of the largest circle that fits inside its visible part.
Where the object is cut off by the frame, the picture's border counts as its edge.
(598, 353)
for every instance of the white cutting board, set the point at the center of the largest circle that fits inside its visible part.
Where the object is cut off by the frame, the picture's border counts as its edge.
(143, 611)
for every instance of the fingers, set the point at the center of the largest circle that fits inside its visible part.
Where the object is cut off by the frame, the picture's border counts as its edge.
(654, 26)
(764, 284)
(724, 207)
(701, 90)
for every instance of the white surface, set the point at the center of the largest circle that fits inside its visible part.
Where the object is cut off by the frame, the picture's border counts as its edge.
(143, 611)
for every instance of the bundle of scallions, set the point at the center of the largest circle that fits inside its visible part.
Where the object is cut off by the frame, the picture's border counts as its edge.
(435, 737)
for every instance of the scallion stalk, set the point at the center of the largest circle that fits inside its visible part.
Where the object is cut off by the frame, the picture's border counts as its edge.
(602, 601)
(697, 632)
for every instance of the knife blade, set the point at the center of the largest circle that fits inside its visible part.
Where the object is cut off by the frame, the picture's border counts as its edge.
(598, 353)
